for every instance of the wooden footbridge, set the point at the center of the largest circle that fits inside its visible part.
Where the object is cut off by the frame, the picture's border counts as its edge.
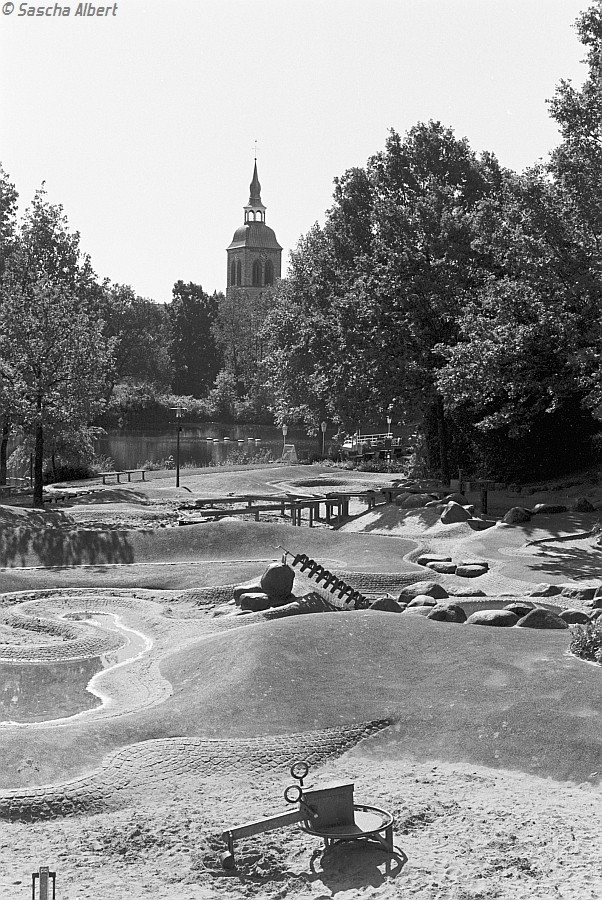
(328, 507)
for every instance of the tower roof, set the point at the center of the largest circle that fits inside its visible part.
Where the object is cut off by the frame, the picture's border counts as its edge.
(256, 236)
(255, 187)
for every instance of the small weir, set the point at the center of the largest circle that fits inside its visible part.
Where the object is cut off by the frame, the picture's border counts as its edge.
(42, 691)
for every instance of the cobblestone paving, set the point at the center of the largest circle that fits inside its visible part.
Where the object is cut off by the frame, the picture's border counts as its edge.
(151, 762)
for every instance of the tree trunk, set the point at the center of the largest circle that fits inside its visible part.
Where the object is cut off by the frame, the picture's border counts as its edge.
(37, 468)
(442, 437)
(4, 448)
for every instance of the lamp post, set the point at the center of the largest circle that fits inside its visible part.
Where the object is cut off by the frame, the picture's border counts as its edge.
(284, 433)
(323, 427)
(389, 439)
(179, 411)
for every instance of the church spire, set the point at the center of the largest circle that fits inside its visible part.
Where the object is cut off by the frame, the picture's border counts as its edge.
(255, 195)
(255, 210)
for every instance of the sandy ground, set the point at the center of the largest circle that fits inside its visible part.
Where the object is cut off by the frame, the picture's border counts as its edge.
(463, 831)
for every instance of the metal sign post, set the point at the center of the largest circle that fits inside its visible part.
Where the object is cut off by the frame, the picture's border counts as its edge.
(43, 875)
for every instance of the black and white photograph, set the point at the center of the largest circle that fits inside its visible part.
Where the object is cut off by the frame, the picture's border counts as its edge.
(301, 449)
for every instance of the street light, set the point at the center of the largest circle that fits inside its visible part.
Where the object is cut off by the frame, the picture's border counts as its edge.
(179, 411)
(284, 434)
(389, 440)
(323, 427)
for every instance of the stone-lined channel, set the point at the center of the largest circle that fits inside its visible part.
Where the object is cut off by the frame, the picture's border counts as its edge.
(42, 692)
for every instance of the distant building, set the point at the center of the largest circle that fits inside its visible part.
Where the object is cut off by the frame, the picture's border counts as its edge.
(254, 255)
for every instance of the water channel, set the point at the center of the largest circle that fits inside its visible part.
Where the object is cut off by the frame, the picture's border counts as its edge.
(42, 692)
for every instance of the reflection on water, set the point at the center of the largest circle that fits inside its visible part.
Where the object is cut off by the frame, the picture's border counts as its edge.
(200, 445)
(36, 692)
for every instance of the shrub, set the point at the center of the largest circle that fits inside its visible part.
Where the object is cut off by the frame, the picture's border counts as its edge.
(587, 641)
(67, 472)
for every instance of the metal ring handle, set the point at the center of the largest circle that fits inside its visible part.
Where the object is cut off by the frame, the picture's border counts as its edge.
(298, 793)
(299, 770)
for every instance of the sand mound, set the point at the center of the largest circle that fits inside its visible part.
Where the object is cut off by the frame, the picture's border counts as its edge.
(412, 524)
(529, 692)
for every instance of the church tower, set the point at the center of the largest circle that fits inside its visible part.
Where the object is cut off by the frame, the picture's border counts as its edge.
(254, 255)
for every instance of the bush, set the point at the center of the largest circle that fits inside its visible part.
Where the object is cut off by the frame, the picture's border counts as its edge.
(67, 472)
(587, 641)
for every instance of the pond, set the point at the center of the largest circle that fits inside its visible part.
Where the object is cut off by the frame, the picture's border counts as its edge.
(210, 443)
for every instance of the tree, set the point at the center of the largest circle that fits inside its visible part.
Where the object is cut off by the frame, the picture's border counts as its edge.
(60, 358)
(51, 341)
(140, 335)
(372, 293)
(191, 315)
(8, 210)
(576, 169)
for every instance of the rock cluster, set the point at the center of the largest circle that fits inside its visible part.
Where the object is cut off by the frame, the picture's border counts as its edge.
(274, 588)
(467, 568)
(431, 600)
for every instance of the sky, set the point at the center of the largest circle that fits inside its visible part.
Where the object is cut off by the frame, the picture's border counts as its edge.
(142, 122)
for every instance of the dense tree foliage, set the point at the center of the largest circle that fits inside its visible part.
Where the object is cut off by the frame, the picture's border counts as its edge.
(191, 316)
(464, 296)
(140, 335)
(372, 294)
(52, 348)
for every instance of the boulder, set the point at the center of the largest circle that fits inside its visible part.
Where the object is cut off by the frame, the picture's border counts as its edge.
(416, 501)
(574, 616)
(500, 618)
(517, 515)
(449, 612)
(434, 504)
(386, 604)
(596, 600)
(575, 592)
(430, 588)
(474, 562)
(417, 610)
(453, 512)
(541, 618)
(444, 568)
(543, 589)
(456, 497)
(422, 600)
(248, 587)
(254, 602)
(400, 498)
(467, 592)
(582, 504)
(425, 558)
(595, 614)
(470, 571)
(520, 608)
(277, 581)
(548, 509)
(480, 524)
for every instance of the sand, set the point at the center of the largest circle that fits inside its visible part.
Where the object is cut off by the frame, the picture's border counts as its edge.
(470, 828)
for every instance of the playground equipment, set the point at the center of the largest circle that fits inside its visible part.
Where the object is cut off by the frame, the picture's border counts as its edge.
(326, 811)
(309, 567)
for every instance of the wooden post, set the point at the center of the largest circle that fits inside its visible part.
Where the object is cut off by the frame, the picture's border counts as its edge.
(484, 500)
